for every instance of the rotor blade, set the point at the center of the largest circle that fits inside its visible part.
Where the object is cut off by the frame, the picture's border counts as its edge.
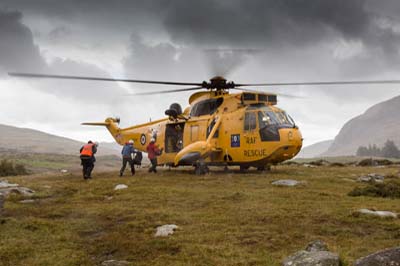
(279, 94)
(165, 91)
(323, 83)
(32, 75)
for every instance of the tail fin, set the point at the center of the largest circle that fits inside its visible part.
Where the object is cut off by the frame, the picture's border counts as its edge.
(112, 125)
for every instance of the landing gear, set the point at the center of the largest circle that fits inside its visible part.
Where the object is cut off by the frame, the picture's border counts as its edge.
(264, 168)
(244, 168)
(201, 168)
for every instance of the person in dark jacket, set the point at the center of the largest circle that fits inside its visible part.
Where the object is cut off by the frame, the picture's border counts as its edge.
(87, 152)
(152, 153)
(127, 153)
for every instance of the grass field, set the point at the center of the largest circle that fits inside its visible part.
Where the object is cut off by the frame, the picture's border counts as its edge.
(223, 218)
(43, 162)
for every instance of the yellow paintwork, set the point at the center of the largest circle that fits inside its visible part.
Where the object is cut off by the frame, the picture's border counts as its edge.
(229, 122)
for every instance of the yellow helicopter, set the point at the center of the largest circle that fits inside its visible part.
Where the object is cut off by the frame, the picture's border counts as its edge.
(218, 128)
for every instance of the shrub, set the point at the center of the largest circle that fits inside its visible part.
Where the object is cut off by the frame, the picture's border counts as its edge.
(337, 164)
(367, 162)
(7, 168)
(319, 162)
(390, 189)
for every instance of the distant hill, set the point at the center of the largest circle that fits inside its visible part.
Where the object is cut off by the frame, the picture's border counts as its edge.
(315, 150)
(25, 140)
(378, 124)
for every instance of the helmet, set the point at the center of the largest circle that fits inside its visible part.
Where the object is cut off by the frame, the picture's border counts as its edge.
(153, 140)
(131, 141)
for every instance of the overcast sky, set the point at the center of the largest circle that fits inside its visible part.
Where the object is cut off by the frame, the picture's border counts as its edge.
(248, 41)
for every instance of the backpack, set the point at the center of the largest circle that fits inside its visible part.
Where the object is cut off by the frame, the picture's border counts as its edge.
(138, 158)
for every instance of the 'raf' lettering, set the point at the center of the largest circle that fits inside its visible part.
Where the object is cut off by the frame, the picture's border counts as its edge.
(251, 140)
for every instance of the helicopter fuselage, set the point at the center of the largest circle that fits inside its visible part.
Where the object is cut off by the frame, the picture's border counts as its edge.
(219, 128)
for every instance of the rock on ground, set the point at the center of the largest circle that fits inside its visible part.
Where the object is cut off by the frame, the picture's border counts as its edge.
(27, 201)
(17, 190)
(371, 178)
(378, 213)
(115, 263)
(165, 230)
(5, 184)
(387, 257)
(120, 186)
(316, 254)
(317, 245)
(287, 183)
(8, 188)
(1, 202)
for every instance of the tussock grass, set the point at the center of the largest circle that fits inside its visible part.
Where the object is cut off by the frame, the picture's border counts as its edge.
(223, 218)
(389, 189)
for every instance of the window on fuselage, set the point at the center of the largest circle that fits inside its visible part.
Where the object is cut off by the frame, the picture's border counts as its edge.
(250, 121)
(206, 107)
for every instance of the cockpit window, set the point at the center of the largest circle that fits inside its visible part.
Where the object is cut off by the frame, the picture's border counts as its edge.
(206, 107)
(250, 122)
(267, 117)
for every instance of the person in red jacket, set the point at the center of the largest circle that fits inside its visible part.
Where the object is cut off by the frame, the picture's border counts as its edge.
(87, 158)
(152, 153)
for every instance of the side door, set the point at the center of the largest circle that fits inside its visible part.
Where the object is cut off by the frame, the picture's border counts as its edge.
(250, 134)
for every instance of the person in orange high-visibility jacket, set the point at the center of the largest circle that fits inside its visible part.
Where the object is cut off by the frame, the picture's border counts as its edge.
(87, 158)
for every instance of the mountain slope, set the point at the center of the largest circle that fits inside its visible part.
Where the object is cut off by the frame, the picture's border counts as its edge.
(315, 150)
(24, 140)
(378, 124)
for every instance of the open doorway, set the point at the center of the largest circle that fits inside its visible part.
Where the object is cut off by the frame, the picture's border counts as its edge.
(174, 137)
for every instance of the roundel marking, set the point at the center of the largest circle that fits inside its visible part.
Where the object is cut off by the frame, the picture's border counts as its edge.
(143, 139)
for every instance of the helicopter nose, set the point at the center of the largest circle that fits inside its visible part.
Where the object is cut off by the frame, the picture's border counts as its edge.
(294, 141)
(294, 135)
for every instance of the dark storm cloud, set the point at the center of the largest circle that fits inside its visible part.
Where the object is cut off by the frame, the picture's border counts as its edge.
(18, 53)
(17, 49)
(265, 22)
(234, 22)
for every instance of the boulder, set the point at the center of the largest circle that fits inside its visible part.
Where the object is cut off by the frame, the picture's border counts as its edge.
(313, 258)
(316, 254)
(120, 186)
(165, 230)
(387, 257)
(287, 183)
(378, 213)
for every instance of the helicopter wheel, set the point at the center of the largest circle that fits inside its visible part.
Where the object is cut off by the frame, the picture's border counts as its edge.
(244, 168)
(261, 168)
(201, 168)
(264, 168)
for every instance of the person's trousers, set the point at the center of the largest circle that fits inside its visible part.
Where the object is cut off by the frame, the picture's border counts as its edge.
(88, 165)
(125, 160)
(153, 165)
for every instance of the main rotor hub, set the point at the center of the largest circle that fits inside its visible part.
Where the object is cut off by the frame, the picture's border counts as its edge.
(218, 83)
